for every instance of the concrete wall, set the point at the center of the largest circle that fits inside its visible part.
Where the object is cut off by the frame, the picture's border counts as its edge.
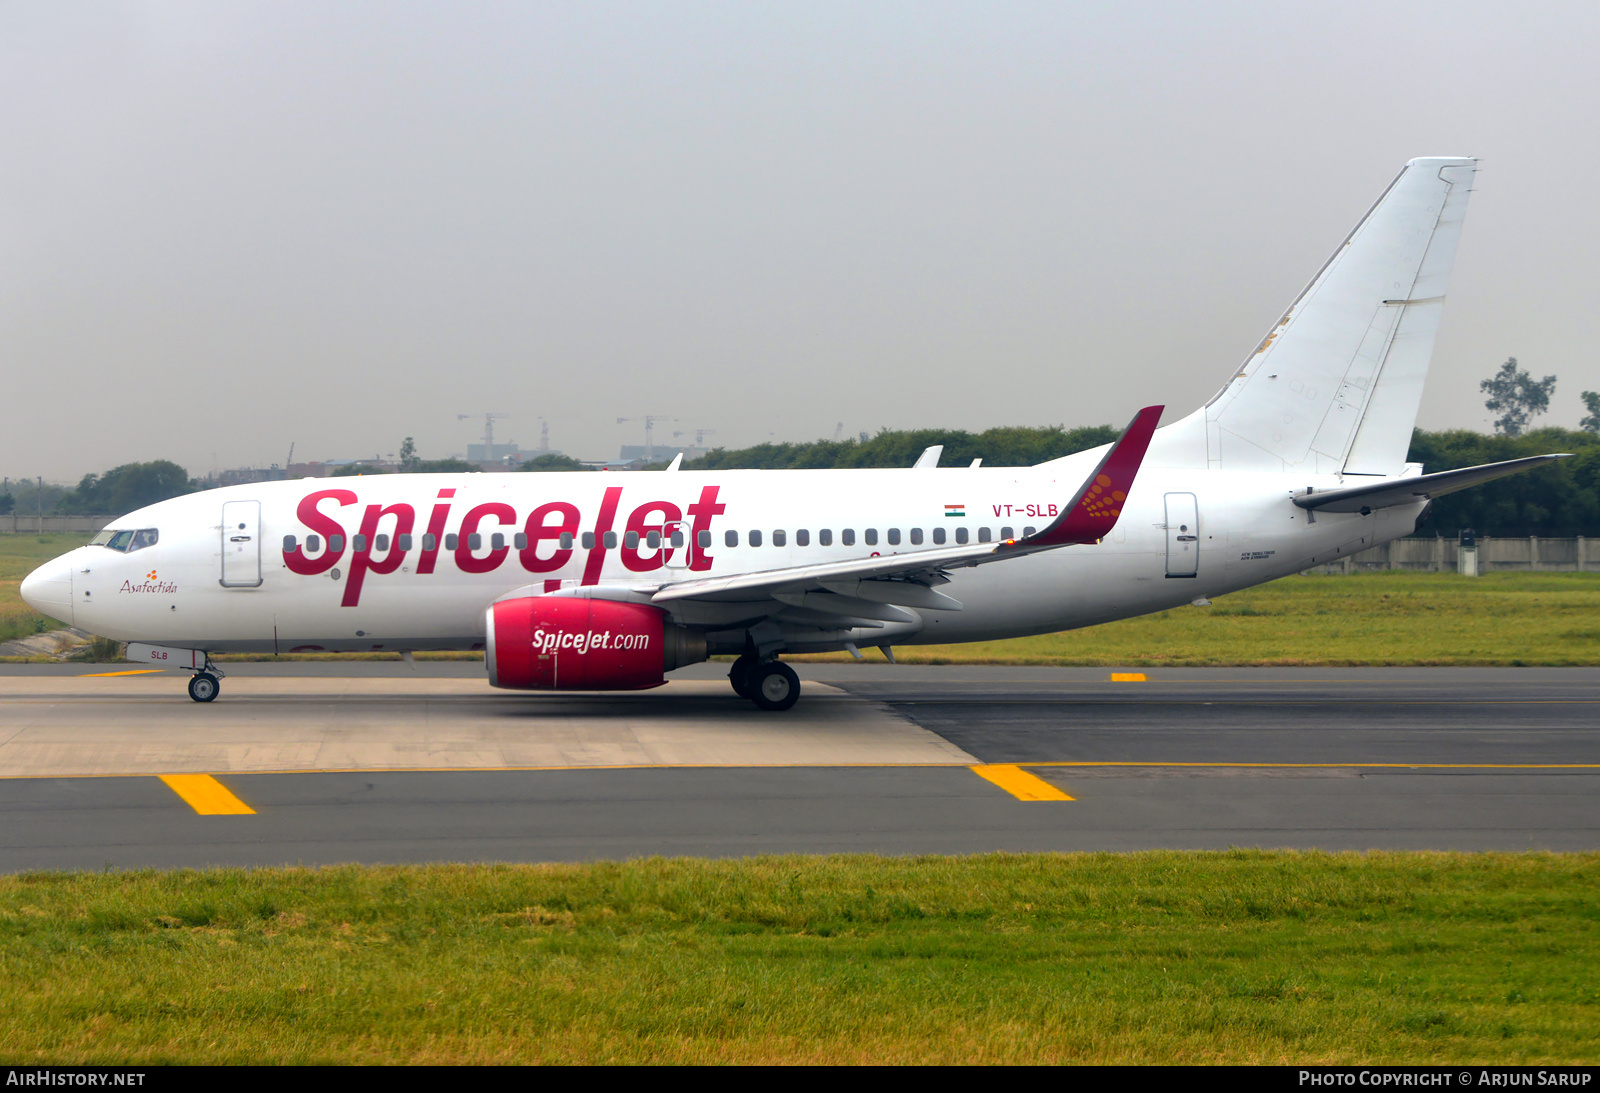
(24, 524)
(1495, 555)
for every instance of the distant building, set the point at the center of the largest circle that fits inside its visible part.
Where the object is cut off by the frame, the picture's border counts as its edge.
(497, 453)
(326, 468)
(663, 453)
(240, 476)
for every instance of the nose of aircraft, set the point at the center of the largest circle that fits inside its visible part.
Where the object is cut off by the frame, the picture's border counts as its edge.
(48, 589)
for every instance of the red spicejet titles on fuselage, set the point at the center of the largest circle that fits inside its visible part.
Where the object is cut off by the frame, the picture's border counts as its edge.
(544, 528)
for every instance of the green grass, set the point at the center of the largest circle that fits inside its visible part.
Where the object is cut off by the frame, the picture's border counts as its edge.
(20, 554)
(1166, 957)
(1373, 618)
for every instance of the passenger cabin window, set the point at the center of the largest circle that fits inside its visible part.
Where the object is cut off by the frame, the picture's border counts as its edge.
(430, 541)
(983, 535)
(825, 537)
(652, 539)
(779, 538)
(475, 541)
(802, 537)
(704, 539)
(610, 540)
(630, 539)
(588, 540)
(894, 536)
(1028, 531)
(288, 543)
(870, 536)
(404, 542)
(1006, 533)
(676, 538)
(961, 535)
(520, 540)
(938, 535)
(730, 538)
(564, 541)
(380, 543)
(916, 536)
(313, 543)
(359, 542)
(452, 541)
(848, 537)
(336, 543)
(755, 538)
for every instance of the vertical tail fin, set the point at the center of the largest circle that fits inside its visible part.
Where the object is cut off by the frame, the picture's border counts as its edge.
(1334, 387)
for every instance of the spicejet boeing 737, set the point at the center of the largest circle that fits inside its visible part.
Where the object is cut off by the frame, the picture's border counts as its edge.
(607, 582)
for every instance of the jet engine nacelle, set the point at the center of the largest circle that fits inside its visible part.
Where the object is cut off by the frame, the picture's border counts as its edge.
(565, 643)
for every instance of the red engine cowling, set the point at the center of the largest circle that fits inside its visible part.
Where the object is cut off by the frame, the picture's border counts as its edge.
(562, 643)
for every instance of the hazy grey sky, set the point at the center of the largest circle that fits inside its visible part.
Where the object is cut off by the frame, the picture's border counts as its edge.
(229, 226)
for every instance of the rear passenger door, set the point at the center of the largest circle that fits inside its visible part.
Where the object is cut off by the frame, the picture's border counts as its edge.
(1183, 535)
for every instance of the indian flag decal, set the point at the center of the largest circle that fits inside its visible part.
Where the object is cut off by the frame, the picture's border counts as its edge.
(955, 510)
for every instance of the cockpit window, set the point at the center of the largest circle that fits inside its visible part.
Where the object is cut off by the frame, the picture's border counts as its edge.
(126, 541)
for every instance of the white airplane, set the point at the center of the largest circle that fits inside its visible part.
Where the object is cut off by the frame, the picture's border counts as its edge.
(607, 582)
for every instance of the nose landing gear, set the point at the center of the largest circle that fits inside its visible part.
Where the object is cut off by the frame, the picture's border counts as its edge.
(206, 683)
(203, 687)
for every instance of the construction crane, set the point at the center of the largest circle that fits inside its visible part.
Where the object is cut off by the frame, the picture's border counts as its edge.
(544, 434)
(699, 435)
(649, 432)
(488, 431)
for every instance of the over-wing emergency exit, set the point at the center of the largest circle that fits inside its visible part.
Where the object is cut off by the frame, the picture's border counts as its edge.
(602, 582)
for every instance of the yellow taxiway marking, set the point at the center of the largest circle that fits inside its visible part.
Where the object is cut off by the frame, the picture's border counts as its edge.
(1019, 783)
(1128, 677)
(131, 672)
(206, 795)
(1299, 766)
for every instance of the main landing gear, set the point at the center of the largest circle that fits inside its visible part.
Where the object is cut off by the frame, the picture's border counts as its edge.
(771, 685)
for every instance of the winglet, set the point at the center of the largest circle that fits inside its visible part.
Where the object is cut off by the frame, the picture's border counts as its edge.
(1094, 511)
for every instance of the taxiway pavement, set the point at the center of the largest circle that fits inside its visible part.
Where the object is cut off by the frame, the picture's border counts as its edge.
(372, 762)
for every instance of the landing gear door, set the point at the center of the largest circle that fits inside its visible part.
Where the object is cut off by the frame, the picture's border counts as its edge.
(1183, 535)
(241, 544)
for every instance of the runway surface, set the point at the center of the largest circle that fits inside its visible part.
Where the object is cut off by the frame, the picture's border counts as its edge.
(319, 763)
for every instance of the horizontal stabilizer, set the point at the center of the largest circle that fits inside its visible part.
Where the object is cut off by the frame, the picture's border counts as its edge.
(1408, 491)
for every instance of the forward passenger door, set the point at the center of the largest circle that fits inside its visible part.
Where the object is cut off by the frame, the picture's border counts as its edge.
(241, 544)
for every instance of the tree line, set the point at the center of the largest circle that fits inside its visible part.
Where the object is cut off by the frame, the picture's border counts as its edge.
(1559, 500)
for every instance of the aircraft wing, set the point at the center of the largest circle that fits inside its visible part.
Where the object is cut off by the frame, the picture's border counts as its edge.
(1090, 516)
(1407, 491)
